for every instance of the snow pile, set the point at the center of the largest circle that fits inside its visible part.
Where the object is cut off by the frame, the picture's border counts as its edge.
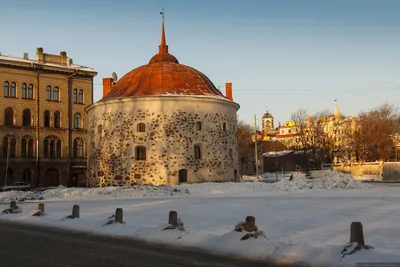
(330, 180)
(93, 193)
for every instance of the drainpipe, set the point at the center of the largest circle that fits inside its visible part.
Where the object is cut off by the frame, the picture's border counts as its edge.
(35, 69)
(70, 119)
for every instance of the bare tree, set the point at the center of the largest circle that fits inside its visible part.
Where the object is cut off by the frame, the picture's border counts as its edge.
(378, 126)
(245, 150)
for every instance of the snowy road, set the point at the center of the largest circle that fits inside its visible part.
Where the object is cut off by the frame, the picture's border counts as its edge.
(22, 245)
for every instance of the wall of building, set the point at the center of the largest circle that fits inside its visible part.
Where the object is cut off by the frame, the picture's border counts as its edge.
(18, 104)
(169, 139)
(391, 171)
(365, 170)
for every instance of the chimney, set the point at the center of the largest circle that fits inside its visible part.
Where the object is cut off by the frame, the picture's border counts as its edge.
(39, 55)
(228, 88)
(108, 83)
(26, 56)
(63, 56)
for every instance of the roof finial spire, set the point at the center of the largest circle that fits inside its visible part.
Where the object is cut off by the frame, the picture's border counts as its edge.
(163, 47)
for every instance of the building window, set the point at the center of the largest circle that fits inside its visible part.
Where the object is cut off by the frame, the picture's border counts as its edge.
(30, 91)
(289, 131)
(12, 89)
(75, 96)
(6, 88)
(57, 119)
(231, 153)
(80, 97)
(141, 127)
(140, 152)
(99, 129)
(24, 91)
(47, 118)
(197, 152)
(30, 148)
(9, 144)
(27, 147)
(224, 126)
(9, 117)
(48, 93)
(78, 148)
(78, 121)
(198, 126)
(26, 117)
(52, 147)
(56, 96)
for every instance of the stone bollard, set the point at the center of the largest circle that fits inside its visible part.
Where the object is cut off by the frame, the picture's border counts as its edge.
(356, 233)
(173, 218)
(13, 205)
(250, 224)
(75, 211)
(118, 215)
(41, 207)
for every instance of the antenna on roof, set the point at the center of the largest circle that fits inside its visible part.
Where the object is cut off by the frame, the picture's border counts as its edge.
(114, 77)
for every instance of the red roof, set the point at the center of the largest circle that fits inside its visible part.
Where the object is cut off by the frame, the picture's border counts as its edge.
(162, 76)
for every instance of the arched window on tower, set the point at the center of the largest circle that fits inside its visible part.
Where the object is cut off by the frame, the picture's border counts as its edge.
(141, 127)
(197, 151)
(140, 153)
(224, 126)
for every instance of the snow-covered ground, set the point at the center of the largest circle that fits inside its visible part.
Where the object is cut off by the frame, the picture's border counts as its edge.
(303, 220)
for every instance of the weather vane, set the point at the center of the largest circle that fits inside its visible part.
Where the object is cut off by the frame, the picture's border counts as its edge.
(162, 13)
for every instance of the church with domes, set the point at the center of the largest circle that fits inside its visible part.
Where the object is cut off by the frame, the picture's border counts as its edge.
(163, 123)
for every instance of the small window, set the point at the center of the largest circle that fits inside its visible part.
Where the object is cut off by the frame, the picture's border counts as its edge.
(231, 153)
(78, 121)
(30, 91)
(80, 97)
(99, 129)
(47, 118)
(26, 117)
(224, 126)
(197, 152)
(57, 119)
(141, 127)
(24, 92)
(48, 93)
(13, 89)
(6, 89)
(289, 131)
(8, 117)
(140, 153)
(198, 126)
(56, 96)
(75, 96)
(59, 149)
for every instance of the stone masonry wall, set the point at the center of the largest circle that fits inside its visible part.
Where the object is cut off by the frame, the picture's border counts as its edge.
(169, 139)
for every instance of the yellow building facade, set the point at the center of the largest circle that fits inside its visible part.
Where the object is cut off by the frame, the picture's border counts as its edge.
(43, 125)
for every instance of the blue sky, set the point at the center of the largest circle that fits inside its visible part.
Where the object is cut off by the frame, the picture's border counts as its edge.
(280, 55)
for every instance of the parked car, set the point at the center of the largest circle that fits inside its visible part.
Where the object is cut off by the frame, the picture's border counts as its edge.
(17, 186)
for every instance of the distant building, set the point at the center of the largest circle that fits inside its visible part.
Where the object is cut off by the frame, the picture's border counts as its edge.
(43, 123)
